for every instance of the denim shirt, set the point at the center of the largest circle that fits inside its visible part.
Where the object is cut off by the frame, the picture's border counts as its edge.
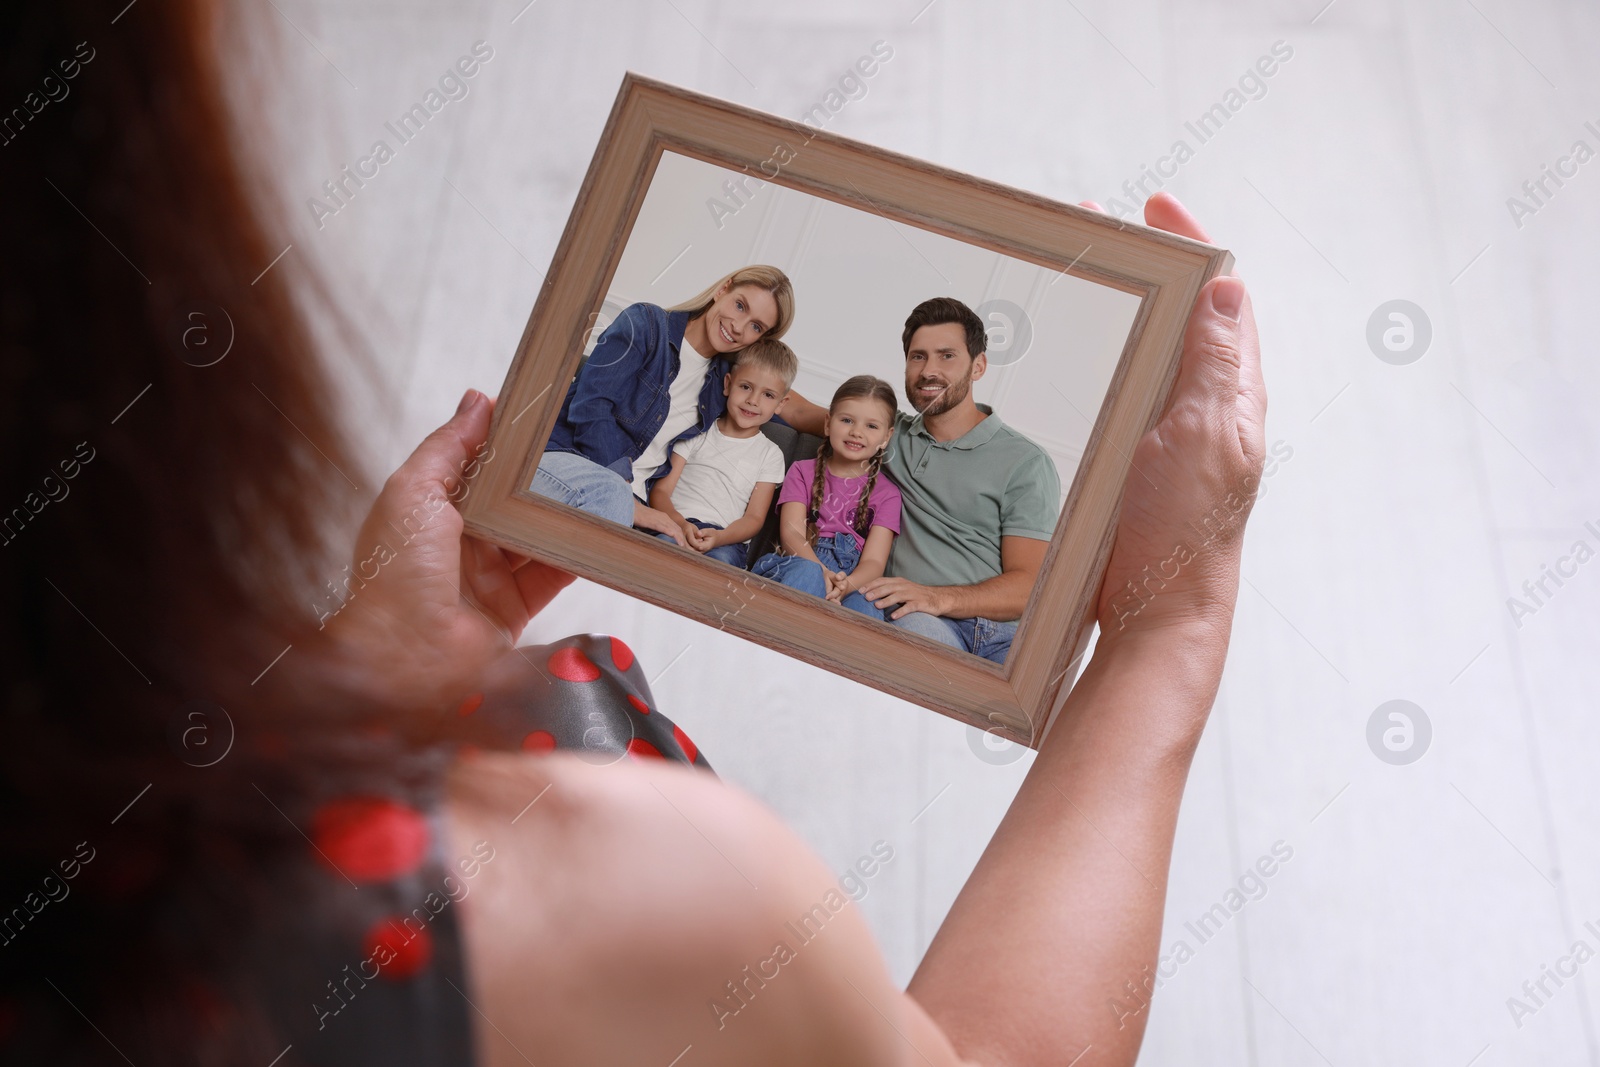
(619, 401)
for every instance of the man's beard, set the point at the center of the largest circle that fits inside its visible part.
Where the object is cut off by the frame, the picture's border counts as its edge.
(954, 393)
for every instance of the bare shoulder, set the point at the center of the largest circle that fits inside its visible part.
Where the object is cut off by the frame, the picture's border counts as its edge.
(645, 912)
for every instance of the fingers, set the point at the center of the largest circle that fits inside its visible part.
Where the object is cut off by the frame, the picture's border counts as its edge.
(539, 583)
(1164, 212)
(488, 584)
(509, 585)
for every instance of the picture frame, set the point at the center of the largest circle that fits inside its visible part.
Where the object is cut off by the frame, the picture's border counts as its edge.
(1016, 699)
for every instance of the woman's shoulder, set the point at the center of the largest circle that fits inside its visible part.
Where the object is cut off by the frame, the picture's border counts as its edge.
(654, 893)
(643, 313)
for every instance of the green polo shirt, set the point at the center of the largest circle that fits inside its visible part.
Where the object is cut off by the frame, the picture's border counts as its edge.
(960, 497)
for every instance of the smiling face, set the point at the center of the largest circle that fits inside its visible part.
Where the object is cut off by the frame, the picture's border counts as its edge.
(858, 427)
(755, 394)
(739, 316)
(939, 371)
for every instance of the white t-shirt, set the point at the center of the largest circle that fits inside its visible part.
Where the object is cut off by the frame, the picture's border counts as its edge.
(720, 473)
(683, 411)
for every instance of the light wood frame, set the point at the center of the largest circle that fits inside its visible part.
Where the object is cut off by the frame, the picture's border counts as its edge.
(1015, 700)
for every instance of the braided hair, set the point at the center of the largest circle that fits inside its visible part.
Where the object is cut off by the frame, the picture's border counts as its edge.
(862, 385)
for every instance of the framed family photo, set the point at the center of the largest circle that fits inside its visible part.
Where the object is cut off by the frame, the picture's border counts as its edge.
(864, 410)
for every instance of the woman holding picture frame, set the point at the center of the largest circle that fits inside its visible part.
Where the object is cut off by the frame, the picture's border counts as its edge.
(654, 378)
(613, 908)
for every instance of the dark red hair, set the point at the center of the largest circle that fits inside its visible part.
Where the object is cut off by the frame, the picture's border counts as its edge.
(176, 562)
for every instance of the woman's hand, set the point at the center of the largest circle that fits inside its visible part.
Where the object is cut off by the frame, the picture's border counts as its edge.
(1196, 474)
(441, 604)
(1094, 820)
(648, 518)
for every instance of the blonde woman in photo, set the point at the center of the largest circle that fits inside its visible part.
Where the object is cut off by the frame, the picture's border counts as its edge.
(654, 379)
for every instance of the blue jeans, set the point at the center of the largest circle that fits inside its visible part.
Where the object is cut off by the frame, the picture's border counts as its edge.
(980, 636)
(733, 555)
(585, 485)
(838, 553)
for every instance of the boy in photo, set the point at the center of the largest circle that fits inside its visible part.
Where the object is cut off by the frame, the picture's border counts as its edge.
(720, 485)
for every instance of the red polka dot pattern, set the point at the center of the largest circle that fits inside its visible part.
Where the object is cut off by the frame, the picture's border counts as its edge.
(638, 705)
(621, 655)
(369, 839)
(684, 743)
(408, 949)
(639, 748)
(570, 664)
(539, 741)
(470, 705)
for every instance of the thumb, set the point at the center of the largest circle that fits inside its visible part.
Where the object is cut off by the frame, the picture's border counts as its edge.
(416, 503)
(439, 463)
(1208, 373)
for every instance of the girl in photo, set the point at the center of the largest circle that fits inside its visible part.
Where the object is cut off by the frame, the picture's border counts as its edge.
(837, 514)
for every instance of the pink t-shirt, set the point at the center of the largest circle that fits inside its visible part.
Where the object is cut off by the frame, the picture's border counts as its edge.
(839, 499)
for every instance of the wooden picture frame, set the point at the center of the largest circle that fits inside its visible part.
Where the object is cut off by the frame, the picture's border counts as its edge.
(1016, 699)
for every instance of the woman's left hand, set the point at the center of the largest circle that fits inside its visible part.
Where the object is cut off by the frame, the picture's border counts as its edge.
(442, 604)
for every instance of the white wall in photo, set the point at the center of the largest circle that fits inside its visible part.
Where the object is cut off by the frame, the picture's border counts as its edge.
(856, 277)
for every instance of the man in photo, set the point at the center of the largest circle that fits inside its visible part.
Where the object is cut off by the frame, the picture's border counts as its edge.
(980, 500)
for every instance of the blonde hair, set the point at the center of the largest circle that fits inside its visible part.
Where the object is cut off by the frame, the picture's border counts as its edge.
(771, 354)
(771, 279)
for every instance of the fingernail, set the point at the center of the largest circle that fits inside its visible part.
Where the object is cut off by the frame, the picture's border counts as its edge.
(467, 400)
(1227, 297)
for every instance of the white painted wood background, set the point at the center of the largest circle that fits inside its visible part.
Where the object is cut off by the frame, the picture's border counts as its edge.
(1376, 166)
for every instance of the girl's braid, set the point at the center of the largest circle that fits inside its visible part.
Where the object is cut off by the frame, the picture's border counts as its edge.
(863, 521)
(818, 485)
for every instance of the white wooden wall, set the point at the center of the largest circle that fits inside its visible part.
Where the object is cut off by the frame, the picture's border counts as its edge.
(1374, 164)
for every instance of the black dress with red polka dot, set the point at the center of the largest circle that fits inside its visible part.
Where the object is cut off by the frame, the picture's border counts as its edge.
(363, 962)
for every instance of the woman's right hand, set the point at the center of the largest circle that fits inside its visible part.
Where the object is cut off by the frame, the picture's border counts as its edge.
(648, 518)
(1195, 475)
